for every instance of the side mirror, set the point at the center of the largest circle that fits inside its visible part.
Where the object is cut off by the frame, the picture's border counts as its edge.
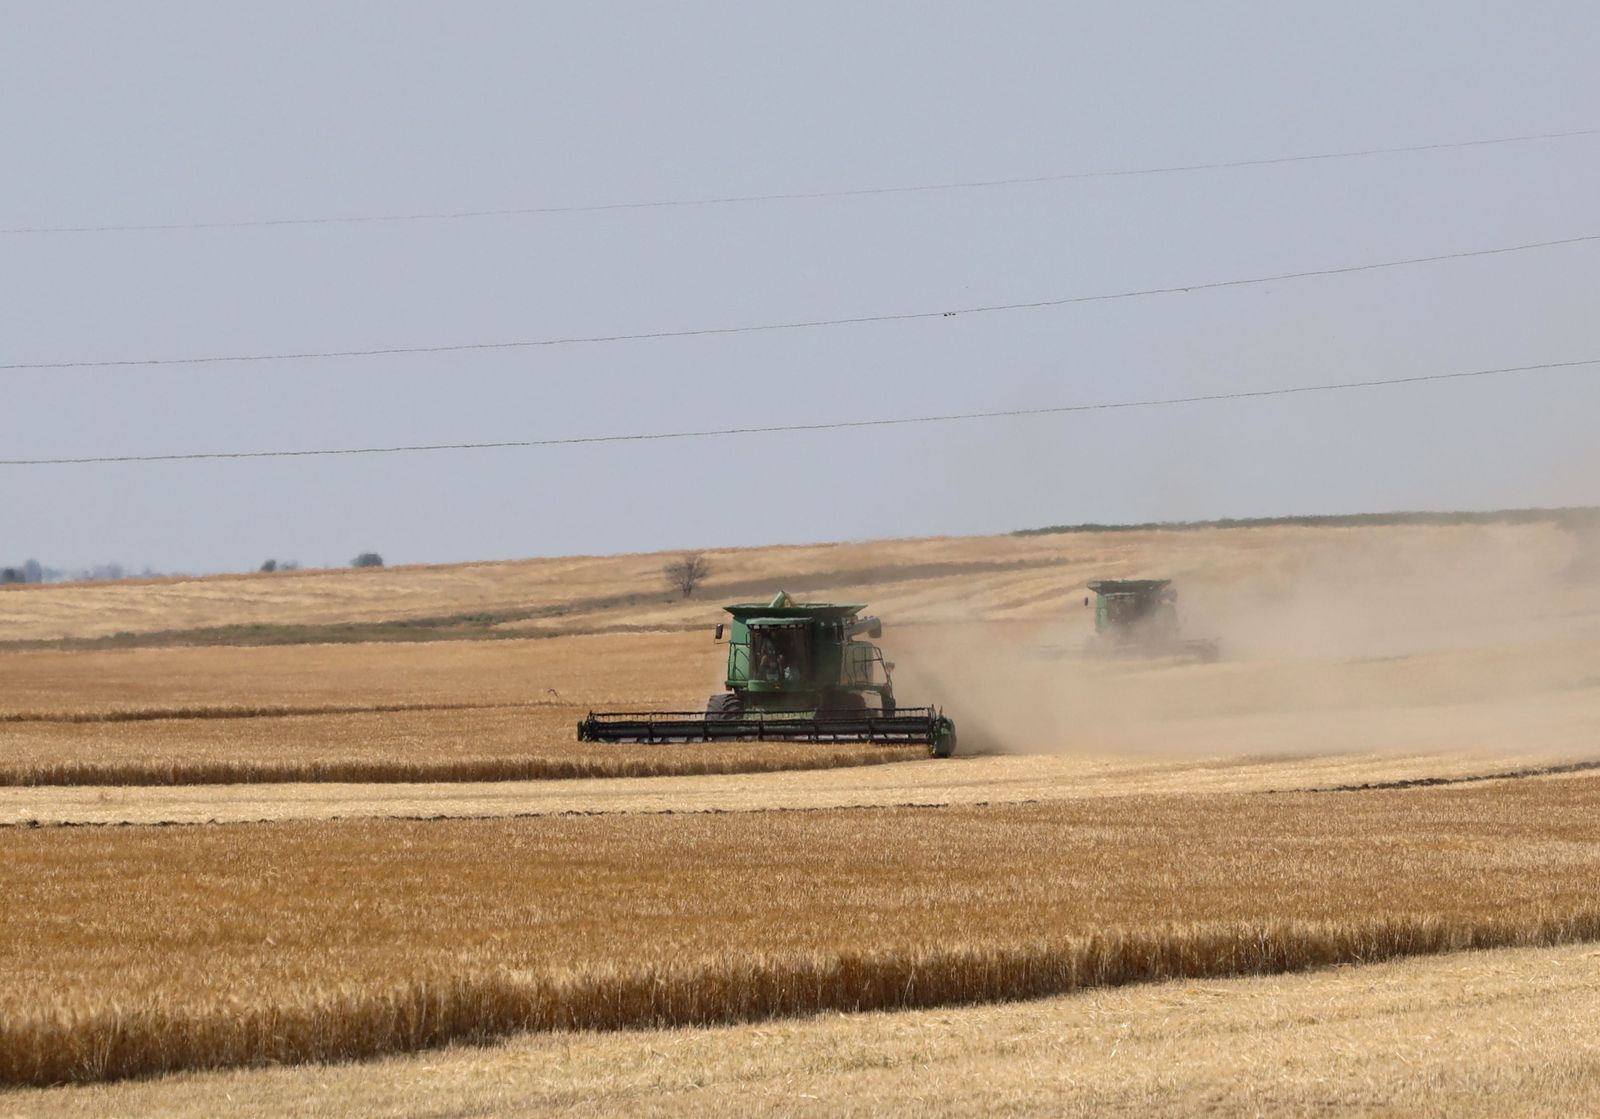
(718, 637)
(888, 666)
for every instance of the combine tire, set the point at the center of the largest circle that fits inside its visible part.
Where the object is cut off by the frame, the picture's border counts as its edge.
(944, 740)
(724, 705)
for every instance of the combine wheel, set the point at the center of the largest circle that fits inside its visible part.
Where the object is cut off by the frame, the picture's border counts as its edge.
(944, 740)
(725, 706)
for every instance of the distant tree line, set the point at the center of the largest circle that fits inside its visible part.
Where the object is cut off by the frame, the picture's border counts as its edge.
(1574, 516)
(29, 572)
(32, 571)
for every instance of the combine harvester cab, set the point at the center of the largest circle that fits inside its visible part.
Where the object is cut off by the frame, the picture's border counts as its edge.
(797, 672)
(1139, 618)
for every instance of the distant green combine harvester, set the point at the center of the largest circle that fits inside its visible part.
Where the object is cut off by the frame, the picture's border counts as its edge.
(1139, 617)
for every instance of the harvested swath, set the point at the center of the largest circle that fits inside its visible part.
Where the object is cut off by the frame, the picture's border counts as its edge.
(347, 939)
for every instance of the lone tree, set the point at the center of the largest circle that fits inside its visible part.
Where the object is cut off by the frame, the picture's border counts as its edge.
(687, 572)
(270, 566)
(367, 559)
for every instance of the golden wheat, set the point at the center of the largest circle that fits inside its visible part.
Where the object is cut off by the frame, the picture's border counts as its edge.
(1478, 1035)
(643, 761)
(134, 950)
(437, 1010)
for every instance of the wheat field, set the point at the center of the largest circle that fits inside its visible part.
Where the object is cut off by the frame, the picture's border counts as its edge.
(434, 744)
(375, 856)
(942, 579)
(353, 938)
(1400, 640)
(447, 711)
(585, 593)
(987, 779)
(1480, 1035)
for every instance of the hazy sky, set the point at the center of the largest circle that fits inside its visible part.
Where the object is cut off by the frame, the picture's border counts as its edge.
(163, 112)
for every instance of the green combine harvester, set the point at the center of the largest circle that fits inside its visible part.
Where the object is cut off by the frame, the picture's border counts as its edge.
(797, 672)
(1139, 618)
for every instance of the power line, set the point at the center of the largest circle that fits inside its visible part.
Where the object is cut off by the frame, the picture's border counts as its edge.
(861, 192)
(804, 324)
(835, 425)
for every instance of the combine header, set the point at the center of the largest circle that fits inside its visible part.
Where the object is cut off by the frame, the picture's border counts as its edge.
(1139, 618)
(797, 672)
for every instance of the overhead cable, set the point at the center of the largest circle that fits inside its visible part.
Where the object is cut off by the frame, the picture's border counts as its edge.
(832, 425)
(794, 196)
(802, 324)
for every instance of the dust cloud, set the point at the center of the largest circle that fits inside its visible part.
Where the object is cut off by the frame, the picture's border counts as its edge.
(1482, 638)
